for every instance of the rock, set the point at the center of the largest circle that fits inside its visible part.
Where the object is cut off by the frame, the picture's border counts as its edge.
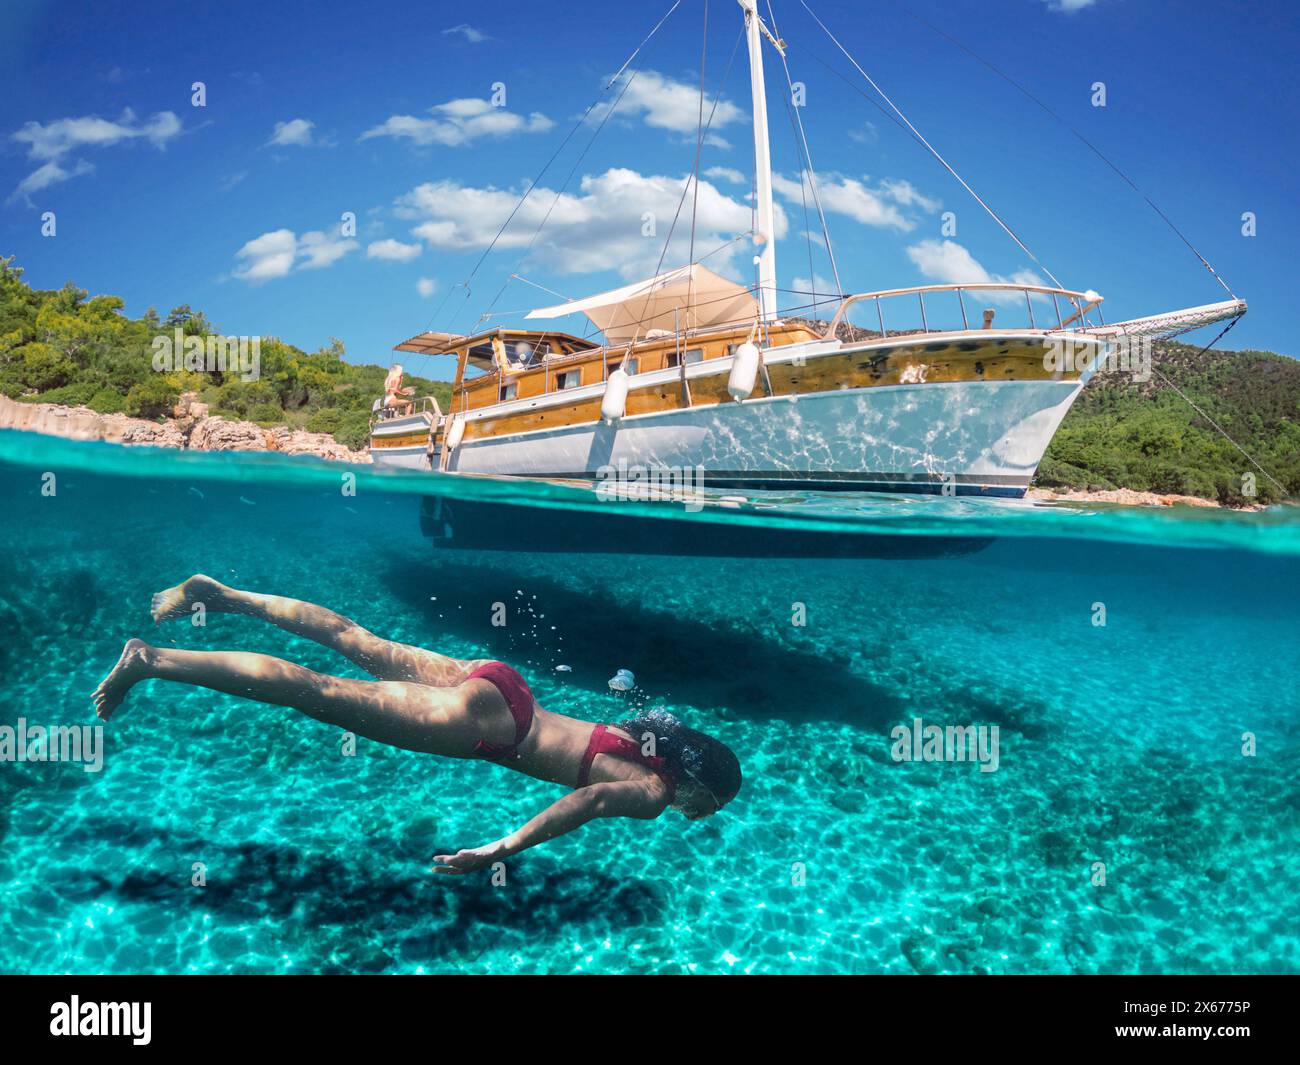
(923, 953)
(218, 434)
(193, 428)
(82, 423)
(1126, 496)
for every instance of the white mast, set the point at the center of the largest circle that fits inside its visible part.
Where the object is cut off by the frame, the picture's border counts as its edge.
(765, 238)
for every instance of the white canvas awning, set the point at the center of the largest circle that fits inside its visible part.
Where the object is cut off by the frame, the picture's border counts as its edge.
(690, 297)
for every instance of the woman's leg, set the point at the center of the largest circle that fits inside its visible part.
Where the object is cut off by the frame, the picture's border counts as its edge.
(380, 658)
(412, 716)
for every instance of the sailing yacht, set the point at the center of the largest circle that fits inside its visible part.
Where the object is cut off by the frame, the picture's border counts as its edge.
(947, 389)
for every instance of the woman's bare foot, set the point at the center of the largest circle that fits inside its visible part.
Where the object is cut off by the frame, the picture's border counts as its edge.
(176, 602)
(130, 668)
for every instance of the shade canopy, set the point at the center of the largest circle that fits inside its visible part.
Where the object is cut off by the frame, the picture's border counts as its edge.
(688, 298)
(431, 343)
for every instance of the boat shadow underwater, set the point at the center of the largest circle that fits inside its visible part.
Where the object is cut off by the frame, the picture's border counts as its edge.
(496, 526)
(698, 661)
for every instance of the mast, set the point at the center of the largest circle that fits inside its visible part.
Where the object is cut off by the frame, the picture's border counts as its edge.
(765, 238)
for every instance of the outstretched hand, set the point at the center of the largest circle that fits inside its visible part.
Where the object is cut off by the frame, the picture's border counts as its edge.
(467, 861)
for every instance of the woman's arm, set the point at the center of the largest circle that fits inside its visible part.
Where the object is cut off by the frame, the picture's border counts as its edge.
(623, 798)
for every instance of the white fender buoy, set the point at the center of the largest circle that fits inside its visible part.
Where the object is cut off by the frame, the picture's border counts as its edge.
(454, 433)
(744, 372)
(614, 403)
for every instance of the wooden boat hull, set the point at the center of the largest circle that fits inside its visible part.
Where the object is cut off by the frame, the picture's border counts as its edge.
(981, 437)
(966, 414)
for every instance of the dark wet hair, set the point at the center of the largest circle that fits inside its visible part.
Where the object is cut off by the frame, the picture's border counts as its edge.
(687, 753)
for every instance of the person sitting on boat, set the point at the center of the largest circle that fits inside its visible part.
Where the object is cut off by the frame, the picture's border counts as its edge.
(433, 704)
(394, 392)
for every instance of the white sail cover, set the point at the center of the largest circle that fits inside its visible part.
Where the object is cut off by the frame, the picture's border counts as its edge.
(690, 297)
(1173, 323)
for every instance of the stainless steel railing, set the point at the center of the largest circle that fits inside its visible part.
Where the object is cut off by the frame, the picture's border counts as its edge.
(1083, 304)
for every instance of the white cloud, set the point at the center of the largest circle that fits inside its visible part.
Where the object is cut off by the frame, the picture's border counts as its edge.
(392, 250)
(802, 286)
(270, 255)
(469, 33)
(600, 227)
(281, 251)
(867, 133)
(45, 176)
(950, 263)
(426, 287)
(666, 103)
(296, 132)
(877, 206)
(727, 173)
(906, 194)
(1069, 5)
(319, 249)
(64, 135)
(459, 122)
(50, 143)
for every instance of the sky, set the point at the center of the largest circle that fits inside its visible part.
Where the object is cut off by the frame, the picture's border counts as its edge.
(426, 122)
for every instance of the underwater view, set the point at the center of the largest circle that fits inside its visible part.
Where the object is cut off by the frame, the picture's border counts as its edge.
(1132, 805)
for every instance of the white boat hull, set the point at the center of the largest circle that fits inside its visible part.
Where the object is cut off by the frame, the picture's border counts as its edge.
(962, 438)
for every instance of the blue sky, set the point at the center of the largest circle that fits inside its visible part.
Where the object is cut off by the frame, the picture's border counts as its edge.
(385, 110)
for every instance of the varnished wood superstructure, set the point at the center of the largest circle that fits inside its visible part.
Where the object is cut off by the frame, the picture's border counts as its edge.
(974, 406)
(893, 360)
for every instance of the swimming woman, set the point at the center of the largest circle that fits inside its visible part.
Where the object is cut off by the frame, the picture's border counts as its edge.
(427, 702)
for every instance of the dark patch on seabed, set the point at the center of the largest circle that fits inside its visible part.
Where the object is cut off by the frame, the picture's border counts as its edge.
(811, 685)
(255, 881)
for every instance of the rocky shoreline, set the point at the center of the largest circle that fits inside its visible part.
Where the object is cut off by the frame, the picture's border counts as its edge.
(193, 429)
(190, 428)
(1124, 496)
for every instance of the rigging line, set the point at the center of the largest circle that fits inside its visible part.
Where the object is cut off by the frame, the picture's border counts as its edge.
(992, 213)
(681, 200)
(569, 136)
(1092, 147)
(812, 174)
(560, 191)
(803, 197)
(570, 299)
(1186, 399)
(858, 89)
(699, 134)
(526, 281)
(699, 148)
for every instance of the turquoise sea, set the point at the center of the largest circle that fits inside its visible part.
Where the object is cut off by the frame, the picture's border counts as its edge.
(1120, 744)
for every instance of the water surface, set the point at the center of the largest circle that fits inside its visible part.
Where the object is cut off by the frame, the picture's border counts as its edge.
(1119, 744)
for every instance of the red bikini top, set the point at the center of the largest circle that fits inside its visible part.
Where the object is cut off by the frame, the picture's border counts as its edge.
(605, 742)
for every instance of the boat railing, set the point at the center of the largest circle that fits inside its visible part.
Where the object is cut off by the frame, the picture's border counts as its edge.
(1067, 308)
(421, 405)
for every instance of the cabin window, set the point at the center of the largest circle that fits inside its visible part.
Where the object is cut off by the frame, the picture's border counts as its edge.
(688, 357)
(479, 360)
(568, 379)
(509, 391)
(628, 364)
(526, 353)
